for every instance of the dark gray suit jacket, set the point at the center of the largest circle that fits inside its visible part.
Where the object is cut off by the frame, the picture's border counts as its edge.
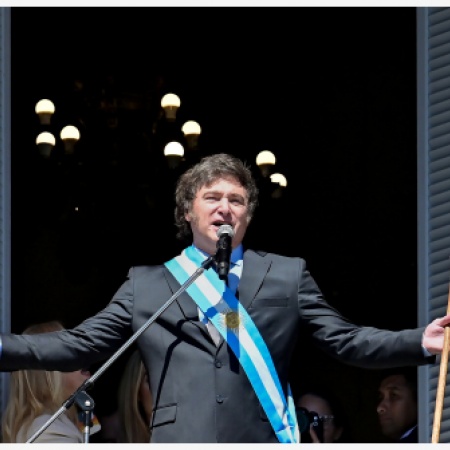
(200, 392)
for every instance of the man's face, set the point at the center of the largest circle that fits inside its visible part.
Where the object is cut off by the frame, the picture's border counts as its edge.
(397, 407)
(223, 202)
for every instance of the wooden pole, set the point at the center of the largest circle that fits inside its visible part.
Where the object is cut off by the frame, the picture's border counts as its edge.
(440, 393)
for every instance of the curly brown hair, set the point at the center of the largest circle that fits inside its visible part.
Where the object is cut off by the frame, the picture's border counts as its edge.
(204, 173)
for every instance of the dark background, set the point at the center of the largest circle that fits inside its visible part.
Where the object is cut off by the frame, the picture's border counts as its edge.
(331, 91)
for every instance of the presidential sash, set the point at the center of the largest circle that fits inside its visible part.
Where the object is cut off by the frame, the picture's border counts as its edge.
(223, 309)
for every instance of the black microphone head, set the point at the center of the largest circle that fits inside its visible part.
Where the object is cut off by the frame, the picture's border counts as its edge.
(225, 234)
(225, 229)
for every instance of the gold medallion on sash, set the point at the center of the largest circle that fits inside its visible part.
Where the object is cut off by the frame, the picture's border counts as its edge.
(232, 320)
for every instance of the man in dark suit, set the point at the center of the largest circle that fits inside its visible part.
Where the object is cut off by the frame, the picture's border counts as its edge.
(397, 406)
(218, 357)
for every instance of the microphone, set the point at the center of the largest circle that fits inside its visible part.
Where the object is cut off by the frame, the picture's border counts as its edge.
(223, 254)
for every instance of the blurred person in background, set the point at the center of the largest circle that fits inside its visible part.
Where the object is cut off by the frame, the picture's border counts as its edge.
(323, 417)
(134, 402)
(397, 405)
(35, 395)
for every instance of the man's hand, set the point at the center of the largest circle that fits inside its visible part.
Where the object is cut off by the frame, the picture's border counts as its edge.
(433, 336)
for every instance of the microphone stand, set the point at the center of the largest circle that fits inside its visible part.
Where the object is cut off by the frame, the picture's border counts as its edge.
(84, 401)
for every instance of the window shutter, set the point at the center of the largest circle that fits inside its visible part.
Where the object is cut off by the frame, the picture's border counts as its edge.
(433, 115)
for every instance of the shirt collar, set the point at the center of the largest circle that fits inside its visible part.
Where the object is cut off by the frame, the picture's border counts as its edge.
(407, 433)
(236, 255)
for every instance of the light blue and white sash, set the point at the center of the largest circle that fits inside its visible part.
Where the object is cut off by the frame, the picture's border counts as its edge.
(222, 308)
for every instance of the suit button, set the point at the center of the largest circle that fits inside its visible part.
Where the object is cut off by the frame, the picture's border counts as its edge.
(219, 398)
(218, 363)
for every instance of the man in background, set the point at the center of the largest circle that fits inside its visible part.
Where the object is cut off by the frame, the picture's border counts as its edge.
(397, 405)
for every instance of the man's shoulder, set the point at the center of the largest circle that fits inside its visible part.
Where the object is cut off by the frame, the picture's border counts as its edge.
(146, 269)
(272, 256)
(296, 263)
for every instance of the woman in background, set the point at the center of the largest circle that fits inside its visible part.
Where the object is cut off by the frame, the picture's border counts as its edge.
(322, 404)
(35, 395)
(134, 402)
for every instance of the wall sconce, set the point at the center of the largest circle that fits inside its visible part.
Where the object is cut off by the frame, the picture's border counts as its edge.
(70, 136)
(265, 160)
(170, 103)
(45, 109)
(191, 131)
(174, 152)
(45, 142)
(281, 182)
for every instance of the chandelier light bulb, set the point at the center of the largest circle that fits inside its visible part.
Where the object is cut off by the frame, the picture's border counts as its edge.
(170, 103)
(173, 152)
(279, 179)
(174, 149)
(45, 109)
(70, 132)
(46, 138)
(265, 160)
(70, 136)
(191, 130)
(191, 127)
(45, 142)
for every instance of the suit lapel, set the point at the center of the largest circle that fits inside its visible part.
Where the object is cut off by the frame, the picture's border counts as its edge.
(254, 271)
(184, 301)
(187, 306)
